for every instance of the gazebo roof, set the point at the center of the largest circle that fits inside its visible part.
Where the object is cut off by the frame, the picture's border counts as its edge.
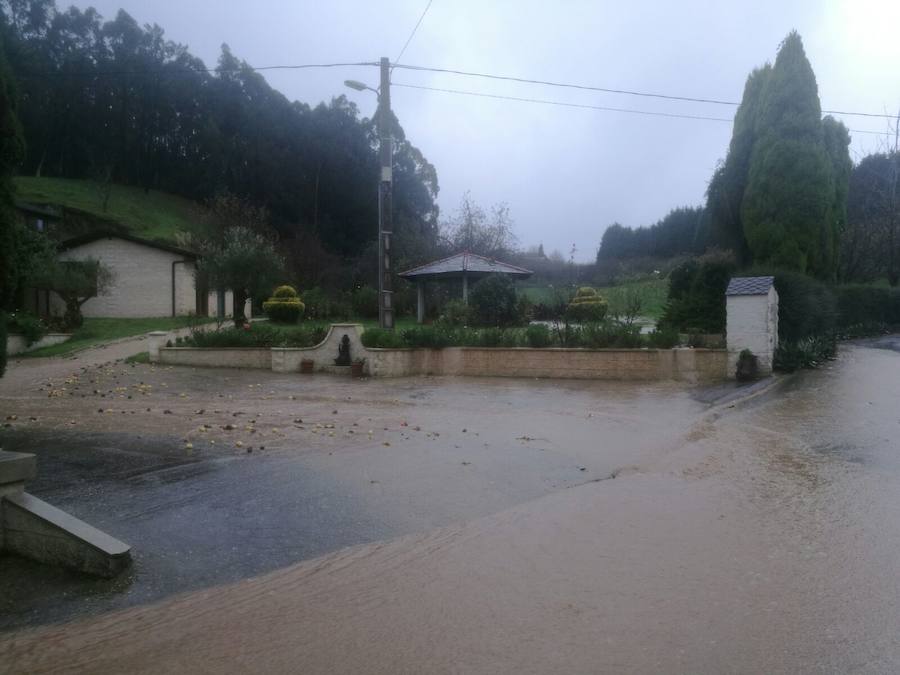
(467, 263)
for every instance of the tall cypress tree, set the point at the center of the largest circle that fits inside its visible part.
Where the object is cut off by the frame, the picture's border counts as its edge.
(11, 153)
(726, 189)
(789, 210)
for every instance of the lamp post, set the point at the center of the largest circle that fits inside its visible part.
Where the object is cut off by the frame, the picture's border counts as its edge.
(385, 193)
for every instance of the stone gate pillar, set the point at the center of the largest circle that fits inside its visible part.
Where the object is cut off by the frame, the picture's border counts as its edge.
(752, 323)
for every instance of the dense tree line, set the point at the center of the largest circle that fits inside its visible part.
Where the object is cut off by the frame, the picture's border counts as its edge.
(870, 242)
(681, 232)
(113, 100)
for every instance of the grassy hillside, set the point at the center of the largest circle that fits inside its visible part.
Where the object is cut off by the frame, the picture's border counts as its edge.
(151, 215)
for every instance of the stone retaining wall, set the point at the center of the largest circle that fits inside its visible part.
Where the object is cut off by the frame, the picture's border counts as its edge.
(216, 358)
(685, 365)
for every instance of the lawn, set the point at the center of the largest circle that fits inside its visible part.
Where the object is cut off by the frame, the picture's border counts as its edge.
(98, 331)
(150, 215)
(651, 292)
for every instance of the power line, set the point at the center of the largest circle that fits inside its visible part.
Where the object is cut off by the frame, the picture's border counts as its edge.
(593, 107)
(565, 104)
(411, 35)
(628, 92)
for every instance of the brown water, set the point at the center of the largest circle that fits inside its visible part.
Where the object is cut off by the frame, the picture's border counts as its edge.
(766, 540)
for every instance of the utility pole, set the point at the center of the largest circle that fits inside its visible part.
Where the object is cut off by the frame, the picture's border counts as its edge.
(385, 194)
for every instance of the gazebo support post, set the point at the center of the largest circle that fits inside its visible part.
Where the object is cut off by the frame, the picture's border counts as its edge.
(465, 288)
(420, 304)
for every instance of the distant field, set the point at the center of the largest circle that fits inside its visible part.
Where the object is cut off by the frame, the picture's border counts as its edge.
(151, 215)
(652, 293)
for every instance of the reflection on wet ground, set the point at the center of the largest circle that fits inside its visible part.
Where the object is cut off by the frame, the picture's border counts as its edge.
(334, 463)
(763, 537)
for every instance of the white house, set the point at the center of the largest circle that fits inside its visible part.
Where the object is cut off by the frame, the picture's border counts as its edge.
(150, 279)
(752, 306)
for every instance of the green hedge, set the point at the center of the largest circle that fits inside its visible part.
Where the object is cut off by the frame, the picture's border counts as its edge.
(258, 335)
(601, 335)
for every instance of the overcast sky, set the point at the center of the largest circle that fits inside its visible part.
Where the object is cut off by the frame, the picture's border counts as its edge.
(566, 173)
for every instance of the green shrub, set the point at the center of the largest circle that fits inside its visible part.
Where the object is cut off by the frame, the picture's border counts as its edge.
(804, 353)
(492, 337)
(365, 302)
(2, 343)
(493, 302)
(538, 336)
(321, 305)
(456, 313)
(258, 335)
(858, 305)
(747, 366)
(806, 307)
(284, 311)
(588, 306)
(663, 338)
(611, 335)
(379, 338)
(697, 288)
(431, 337)
(30, 327)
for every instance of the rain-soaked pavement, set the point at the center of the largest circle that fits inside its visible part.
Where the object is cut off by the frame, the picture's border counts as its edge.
(755, 536)
(158, 457)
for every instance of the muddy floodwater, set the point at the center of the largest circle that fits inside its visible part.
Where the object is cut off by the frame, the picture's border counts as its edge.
(760, 536)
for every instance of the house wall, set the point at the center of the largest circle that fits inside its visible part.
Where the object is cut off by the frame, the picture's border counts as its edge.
(752, 324)
(142, 284)
(213, 305)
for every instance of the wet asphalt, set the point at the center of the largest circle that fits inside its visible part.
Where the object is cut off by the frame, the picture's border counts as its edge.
(442, 450)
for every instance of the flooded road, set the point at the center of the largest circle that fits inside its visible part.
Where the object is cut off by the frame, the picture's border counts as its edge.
(764, 538)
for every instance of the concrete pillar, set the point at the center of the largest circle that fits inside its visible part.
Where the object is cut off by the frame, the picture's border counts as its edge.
(752, 321)
(155, 340)
(420, 304)
(465, 288)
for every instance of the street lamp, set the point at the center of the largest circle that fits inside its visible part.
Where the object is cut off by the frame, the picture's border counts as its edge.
(385, 190)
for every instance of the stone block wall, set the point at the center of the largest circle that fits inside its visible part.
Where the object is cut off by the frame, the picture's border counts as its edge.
(684, 365)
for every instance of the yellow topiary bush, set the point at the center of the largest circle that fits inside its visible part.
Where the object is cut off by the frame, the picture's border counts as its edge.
(284, 306)
(587, 306)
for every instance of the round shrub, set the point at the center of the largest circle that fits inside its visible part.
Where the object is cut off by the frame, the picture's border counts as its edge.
(286, 293)
(493, 301)
(284, 306)
(365, 302)
(588, 306)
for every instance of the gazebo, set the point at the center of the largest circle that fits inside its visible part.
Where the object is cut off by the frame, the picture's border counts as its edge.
(463, 266)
